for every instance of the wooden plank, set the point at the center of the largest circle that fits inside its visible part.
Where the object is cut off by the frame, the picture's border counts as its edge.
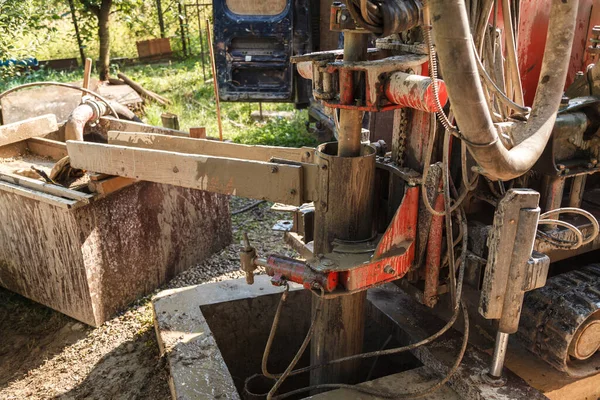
(210, 147)
(33, 127)
(253, 179)
(44, 187)
(111, 124)
(36, 195)
(47, 148)
(110, 185)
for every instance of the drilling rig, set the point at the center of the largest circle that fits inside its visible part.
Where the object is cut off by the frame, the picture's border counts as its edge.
(483, 205)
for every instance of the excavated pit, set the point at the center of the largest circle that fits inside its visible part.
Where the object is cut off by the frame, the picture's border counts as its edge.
(239, 318)
(241, 329)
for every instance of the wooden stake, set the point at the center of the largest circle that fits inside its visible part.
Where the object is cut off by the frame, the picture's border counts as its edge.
(87, 73)
(214, 71)
(198, 133)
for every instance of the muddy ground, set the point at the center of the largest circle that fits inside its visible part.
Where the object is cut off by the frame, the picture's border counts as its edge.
(46, 355)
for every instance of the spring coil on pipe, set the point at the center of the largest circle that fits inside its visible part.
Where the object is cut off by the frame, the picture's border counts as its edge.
(385, 18)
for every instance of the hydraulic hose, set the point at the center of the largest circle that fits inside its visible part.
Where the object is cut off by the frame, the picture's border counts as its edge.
(457, 60)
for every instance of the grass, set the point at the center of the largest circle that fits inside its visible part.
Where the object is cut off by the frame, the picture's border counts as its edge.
(192, 99)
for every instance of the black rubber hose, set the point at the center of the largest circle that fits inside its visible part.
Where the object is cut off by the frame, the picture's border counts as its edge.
(457, 60)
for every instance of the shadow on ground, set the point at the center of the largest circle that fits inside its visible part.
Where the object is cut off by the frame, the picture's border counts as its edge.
(131, 371)
(31, 333)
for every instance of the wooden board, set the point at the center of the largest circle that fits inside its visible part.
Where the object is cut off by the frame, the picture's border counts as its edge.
(210, 147)
(110, 184)
(44, 187)
(36, 195)
(122, 94)
(33, 127)
(111, 124)
(47, 148)
(260, 180)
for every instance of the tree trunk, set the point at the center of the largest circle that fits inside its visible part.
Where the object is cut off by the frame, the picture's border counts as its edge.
(104, 35)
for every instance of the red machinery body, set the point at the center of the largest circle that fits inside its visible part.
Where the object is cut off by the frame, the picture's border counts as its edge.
(533, 25)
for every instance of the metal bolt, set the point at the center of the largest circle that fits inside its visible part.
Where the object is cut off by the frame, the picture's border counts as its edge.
(389, 270)
(307, 154)
(324, 167)
(274, 169)
(323, 204)
(328, 263)
(293, 192)
(175, 169)
(344, 17)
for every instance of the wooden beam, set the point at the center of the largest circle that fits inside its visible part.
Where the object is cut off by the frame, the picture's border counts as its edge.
(32, 127)
(110, 185)
(36, 195)
(210, 147)
(259, 180)
(109, 123)
(47, 148)
(44, 187)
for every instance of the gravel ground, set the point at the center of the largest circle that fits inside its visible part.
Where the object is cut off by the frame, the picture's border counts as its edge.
(46, 355)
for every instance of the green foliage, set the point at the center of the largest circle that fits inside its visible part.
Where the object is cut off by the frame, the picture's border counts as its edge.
(279, 132)
(17, 19)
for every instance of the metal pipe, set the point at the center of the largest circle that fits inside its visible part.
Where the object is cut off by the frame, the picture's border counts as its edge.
(457, 58)
(88, 111)
(350, 132)
(577, 189)
(415, 91)
(499, 354)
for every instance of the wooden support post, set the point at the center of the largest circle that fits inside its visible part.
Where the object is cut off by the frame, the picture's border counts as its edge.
(214, 72)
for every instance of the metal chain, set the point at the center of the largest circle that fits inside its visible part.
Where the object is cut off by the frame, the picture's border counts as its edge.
(401, 137)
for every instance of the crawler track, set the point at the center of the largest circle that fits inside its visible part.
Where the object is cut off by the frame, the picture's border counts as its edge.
(561, 321)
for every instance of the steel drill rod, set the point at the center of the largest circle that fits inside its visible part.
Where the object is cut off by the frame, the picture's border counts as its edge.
(349, 135)
(499, 354)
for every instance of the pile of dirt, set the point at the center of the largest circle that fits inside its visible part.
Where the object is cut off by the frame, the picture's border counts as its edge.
(44, 354)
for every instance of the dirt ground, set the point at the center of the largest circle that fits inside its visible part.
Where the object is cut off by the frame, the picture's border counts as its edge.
(46, 355)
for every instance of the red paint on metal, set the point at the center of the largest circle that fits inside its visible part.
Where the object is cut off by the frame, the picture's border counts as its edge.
(346, 86)
(414, 91)
(533, 27)
(434, 255)
(378, 272)
(395, 252)
(392, 259)
(403, 227)
(298, 272)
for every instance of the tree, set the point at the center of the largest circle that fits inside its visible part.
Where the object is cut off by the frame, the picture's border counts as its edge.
(101, 9)
(17, 17)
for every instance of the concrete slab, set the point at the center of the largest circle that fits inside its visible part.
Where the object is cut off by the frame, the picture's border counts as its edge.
(197, 367)
(414, 380)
